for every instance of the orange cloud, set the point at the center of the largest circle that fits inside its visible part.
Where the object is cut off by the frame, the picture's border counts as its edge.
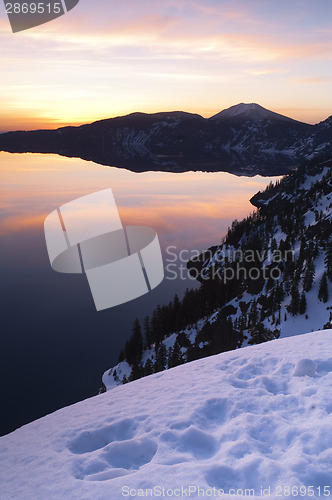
(156, 37)
(16, 223)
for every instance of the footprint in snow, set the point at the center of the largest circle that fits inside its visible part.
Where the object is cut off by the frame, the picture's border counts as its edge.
(192, 441)
(112, 451)
(88, 441)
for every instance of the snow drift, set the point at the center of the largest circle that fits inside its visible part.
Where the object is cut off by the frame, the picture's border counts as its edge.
(252, 422)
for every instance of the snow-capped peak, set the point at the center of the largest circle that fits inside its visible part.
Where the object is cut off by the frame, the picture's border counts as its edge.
(250, 111)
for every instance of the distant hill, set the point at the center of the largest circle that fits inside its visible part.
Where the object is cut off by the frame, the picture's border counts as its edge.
(245, 139)
(244, 112)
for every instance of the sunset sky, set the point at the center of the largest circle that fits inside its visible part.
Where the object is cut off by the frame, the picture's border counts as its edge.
(107, 58)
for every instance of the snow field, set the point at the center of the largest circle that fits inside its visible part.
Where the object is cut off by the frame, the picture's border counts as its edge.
(258, 417)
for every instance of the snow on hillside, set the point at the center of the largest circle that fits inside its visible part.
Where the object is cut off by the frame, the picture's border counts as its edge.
(316, 209)
(252, 422)
(115, 375)
(318, 313)
(247, 111)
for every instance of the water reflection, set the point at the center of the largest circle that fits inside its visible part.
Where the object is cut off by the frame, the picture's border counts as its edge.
(189, 208)
(54, 345)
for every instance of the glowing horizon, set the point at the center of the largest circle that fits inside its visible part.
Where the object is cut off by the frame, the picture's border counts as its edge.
(310, 116)
(110, 60)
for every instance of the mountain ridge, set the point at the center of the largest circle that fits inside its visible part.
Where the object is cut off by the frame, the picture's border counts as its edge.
(177, 141)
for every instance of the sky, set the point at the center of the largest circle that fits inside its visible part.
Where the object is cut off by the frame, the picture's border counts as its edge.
(108, 58)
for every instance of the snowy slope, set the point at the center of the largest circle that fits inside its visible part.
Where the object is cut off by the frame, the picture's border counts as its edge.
(317, 209)
(258, 417)
(311, 197)
(250, 111)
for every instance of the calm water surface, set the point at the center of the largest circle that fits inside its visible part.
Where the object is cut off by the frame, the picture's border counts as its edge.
(54, 346)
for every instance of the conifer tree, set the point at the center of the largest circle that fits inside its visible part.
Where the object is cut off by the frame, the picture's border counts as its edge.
(309, 275)
(262, 334)
(253, 314)
(295, 302)
(243, 318)
(161, 358)
(323, 289)
(303, 304)
(147, 332)
(279, 318)
(175, 357)
(182, 340)
(136, 372)
(279, 295)
(148, 368)
(154, 327)
(328, 259)
(177, 312)
(134, 346)
(157, 325)
(302, 252)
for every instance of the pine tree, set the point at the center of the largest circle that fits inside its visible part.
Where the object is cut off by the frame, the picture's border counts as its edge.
(134, 346)
(303, 304)
(328, 259)
(169, 355)
(309, 276)
(262, 334)
(302, 252)
(175, 357)
(148, 368)
(323, 294)
(279, 295)
(136, 372)
(161, 358)
(177, 312)
(183, 340)
(147, 332)
(294, 306)
(279, 318)
(157, 325)
(243, 318)
(253, 314)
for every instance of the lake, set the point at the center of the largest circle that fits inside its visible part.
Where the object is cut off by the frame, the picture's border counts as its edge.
(55, 346)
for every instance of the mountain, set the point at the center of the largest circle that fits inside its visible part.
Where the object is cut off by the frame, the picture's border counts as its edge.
(270, 277)
(253, 422)
(253, 112)
(245, 139)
